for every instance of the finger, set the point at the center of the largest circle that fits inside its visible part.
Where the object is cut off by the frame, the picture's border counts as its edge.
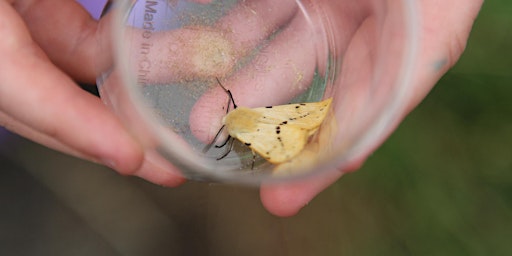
(442, 45)
(203, 52)
(278, 73)
(288, 198)
(154, 168)
(158, 170)
(73, 122)
(39, 96)
(251, 22)
(19, 128)
(72, 42)
(359, 60)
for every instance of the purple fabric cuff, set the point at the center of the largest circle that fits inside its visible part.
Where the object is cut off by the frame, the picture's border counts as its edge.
(94, 7)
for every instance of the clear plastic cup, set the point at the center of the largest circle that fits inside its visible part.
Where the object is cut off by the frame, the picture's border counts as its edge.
(159, 75)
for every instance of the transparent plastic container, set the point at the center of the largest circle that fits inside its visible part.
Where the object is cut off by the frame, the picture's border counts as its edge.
(161, 61)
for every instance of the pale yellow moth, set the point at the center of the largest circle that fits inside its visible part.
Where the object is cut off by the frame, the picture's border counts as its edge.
(276, 133)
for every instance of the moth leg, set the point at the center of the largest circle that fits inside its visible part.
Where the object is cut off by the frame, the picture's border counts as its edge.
(229, 148)
(253, 159)
(224, 143)
(207, 147)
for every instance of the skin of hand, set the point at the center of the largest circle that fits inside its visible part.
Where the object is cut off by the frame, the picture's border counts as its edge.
(45, 51)
(440, 48)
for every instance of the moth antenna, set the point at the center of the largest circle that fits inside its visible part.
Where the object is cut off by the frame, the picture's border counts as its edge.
(207, 147)
(229, 148)
(228, 92)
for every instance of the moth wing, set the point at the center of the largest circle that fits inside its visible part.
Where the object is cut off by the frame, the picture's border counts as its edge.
(306, 115)
(276, 147)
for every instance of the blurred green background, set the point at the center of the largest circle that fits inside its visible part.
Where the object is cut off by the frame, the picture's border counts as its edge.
(441, 185)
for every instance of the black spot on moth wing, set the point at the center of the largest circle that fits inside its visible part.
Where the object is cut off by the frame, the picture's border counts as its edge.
(268, 107)
(302, 104)
(247, 144)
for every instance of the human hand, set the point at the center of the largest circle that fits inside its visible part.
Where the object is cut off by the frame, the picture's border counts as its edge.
(44, 51)
(75, 113)
(444, 31)
(441, 46)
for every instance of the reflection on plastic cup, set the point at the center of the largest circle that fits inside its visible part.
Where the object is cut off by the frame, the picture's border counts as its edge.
(167, 56)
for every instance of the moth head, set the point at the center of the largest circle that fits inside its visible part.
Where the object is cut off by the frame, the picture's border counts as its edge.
(241, 119)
